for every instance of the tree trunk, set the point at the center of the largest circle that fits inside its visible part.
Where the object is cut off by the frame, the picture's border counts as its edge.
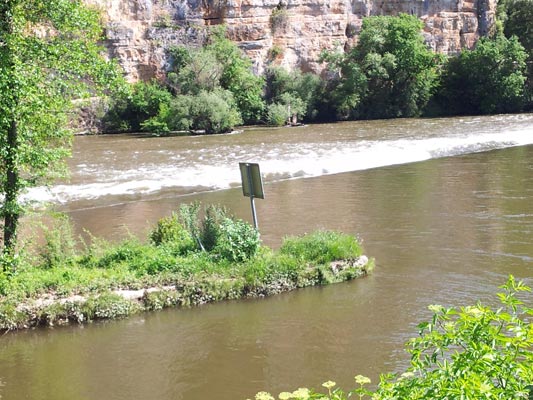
(11, 191)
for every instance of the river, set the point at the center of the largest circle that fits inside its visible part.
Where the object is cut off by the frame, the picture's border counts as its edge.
(444, 205)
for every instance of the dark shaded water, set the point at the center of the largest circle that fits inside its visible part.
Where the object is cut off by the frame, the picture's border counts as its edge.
(445, 230)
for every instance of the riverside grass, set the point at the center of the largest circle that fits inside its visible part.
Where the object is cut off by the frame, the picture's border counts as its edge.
(62, 286)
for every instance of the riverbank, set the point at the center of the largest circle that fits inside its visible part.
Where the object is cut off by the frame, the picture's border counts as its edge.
(109, 282)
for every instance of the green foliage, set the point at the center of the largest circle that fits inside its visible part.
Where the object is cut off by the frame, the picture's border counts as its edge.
(400, 70)
(169, 231)
(390, 73)
(193, 257)
(519, 14)
(219, 233)
(159, 300)
(219, 66)
(110, 306)
(59, 243)
(211, 225)
(488, 79)
(346, 85)
(131, 109)
(518, 19)
(214, 112)
(321, 247)
(474, 352)
(201, 71)
(49, 55)
(10, 317)
(237, 241)
(277, 114)
(237, 75)
(302, 92)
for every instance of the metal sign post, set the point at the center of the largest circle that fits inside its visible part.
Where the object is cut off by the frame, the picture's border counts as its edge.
(252, 185)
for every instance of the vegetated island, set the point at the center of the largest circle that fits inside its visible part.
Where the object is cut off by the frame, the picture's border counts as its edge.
(189, 260)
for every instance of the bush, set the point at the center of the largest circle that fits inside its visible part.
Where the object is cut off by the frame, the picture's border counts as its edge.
(473, 352)
(171, 232)
(302, 92)
(488, 79)
(214, 112)
(211, 223)
(238, 241)
(131, 109)
(321, 247)
(470, 353)
(60, 246)
(110, 306)
(279, 19)
(277, 114)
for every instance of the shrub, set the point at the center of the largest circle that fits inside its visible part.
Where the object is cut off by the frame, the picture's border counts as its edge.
(213, 218)
(171, 232)
(277, 114)
(129, 110)
(214, 112)
(301, 93)
(60, 246)
(487, 79)
(189, 217)
(238, 241)
(474, 352)
(279, 19)
(10, 317)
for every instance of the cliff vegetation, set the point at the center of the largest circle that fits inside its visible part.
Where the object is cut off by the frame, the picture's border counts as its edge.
(390, 73)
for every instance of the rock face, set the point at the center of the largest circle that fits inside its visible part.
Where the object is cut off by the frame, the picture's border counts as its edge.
(291, 33)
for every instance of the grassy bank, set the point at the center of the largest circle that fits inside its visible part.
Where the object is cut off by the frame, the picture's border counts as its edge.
(188, 261)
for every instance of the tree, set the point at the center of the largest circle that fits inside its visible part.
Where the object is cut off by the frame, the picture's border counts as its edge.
(390, 73)
(237, 75)
(519, 23)
(488, 79)
(400, 70)
(131, 108)
(218, 64)
(48, 56)
(214, 112)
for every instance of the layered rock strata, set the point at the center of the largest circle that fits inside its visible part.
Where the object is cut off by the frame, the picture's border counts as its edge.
(291, 33)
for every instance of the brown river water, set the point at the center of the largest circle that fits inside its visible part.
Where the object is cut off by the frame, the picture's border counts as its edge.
(445, 206)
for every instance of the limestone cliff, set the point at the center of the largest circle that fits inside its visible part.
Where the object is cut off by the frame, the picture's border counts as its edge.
(288, 32)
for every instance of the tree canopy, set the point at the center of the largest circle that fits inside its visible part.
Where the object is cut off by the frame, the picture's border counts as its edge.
(390, 73)
(487, 79)
(49, 55)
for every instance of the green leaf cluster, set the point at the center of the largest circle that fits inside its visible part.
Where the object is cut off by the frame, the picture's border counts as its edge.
(292, 96)
(467, 353)
(210, 89)
(49, 56)
(489, 79)
(390, 73)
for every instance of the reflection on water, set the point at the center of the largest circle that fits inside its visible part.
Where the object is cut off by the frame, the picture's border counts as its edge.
(445, 231)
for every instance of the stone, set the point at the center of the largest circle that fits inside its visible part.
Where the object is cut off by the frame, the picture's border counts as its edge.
(139, 31)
